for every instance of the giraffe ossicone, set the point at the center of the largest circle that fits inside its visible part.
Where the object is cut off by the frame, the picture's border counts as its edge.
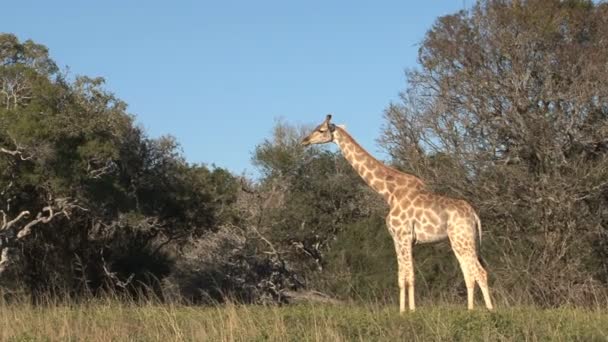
(416, 215)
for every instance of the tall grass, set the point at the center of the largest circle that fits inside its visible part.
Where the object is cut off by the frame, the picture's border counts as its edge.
(111, 319)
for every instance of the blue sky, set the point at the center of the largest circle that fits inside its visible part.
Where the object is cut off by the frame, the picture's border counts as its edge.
(217, 74)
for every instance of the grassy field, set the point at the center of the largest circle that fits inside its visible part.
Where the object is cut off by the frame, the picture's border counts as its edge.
(112, 321)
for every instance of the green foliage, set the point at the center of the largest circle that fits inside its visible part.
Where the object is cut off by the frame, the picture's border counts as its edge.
(318, 195)
(362, 262)
(135, 196)
(280, 154)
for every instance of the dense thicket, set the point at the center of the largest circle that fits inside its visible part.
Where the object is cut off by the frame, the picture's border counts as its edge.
(87, 199)
(508, 109)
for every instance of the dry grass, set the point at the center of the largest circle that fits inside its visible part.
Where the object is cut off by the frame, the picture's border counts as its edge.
(111, 320)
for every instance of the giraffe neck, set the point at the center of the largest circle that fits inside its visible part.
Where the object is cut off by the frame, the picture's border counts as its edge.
(378, 176)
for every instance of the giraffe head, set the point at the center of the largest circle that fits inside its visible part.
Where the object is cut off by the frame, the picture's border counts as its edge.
(322, 134)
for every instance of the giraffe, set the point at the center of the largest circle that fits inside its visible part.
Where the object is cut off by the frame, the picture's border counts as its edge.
(415, 215)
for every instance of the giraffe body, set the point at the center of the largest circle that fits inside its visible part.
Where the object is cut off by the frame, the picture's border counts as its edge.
(415, 215)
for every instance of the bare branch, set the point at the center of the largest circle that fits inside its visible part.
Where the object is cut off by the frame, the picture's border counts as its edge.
(5, 259)
(99, 172)
(9, 224)
(18, 151)
(15, 153)
(112, 275)
(8, 187)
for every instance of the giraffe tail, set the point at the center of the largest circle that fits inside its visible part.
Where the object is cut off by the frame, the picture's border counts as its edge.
(478, 222)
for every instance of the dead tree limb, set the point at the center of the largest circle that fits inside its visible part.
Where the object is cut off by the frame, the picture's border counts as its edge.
(18, 151)
(113, 276)
(13, 230)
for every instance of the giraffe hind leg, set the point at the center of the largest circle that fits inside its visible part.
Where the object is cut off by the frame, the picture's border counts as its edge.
(473, 273)
(469, 280)
(463, 247)
(481, 277)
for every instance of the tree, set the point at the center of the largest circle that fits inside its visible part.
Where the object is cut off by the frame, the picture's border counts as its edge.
(509, 108)
(317, 213)
(87, 200)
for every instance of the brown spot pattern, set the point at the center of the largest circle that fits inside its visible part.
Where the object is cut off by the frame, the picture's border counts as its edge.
(417, 213)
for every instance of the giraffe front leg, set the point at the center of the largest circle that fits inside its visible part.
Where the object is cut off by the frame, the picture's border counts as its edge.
(406, 275)
(402, 233)
(401, 282)
(406, 280)
(409, 278)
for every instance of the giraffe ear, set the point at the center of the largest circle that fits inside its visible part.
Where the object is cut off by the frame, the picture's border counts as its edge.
(342, 126)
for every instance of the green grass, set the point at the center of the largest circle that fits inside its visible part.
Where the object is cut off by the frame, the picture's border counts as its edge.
(112, 321)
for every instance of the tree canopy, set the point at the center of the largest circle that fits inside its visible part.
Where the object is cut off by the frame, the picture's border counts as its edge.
(509, 108)
(83, 188)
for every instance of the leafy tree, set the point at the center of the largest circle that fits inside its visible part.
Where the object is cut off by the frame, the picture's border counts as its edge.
(509, 108)
(318, 209)
(88, 200)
